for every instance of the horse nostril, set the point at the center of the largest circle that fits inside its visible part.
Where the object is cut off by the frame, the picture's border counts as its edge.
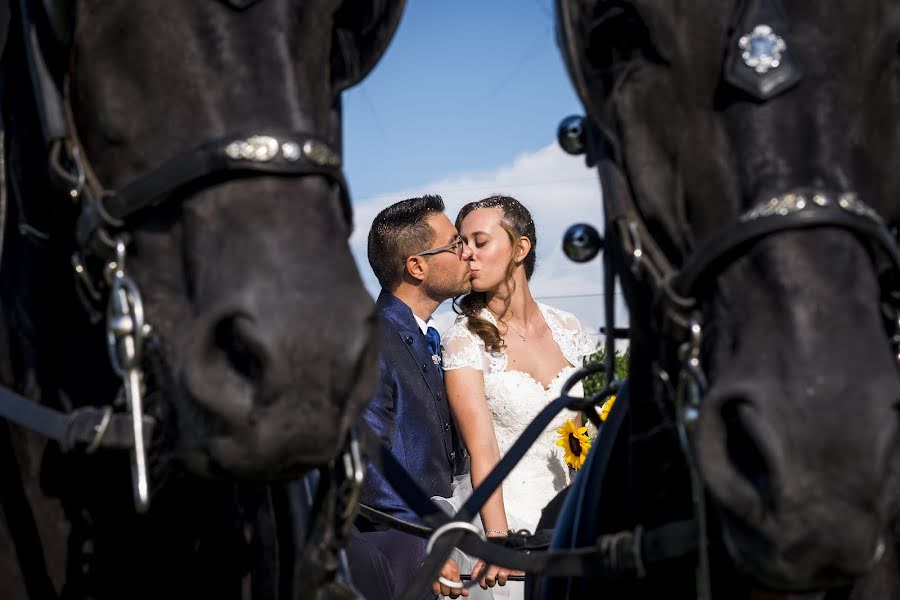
(742, 446)
(245, 354)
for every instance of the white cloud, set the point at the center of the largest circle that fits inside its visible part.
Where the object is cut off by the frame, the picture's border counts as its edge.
(558, 189)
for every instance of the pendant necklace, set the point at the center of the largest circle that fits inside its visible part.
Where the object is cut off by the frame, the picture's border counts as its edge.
(516, 331)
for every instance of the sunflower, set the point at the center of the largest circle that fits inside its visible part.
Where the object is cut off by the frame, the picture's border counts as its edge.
(606, 407)
(574, 442)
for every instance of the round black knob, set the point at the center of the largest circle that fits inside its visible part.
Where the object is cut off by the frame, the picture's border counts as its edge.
(582, 242)
(570, 134)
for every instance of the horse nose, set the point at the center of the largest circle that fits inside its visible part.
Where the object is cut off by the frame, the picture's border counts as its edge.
(761, 450)
(739, 449)
(247, 356)
(242, 347)
(230, 353)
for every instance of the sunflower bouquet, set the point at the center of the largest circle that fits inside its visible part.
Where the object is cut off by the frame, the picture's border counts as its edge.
(574, 440)
(606, 407)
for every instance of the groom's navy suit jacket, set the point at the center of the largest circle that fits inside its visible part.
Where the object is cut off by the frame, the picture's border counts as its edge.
(410, 412)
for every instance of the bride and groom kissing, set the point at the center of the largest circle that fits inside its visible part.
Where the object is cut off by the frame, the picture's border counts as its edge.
(449, 409)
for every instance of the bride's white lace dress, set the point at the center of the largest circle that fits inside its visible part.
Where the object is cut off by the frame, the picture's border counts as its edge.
(514, 399)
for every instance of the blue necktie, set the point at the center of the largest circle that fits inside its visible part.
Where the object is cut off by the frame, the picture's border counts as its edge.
(434, 341)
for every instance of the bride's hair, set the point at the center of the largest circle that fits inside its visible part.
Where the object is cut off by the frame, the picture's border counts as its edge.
(517, 222)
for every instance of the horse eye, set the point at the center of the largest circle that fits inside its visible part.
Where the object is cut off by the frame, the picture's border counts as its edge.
(618, 35)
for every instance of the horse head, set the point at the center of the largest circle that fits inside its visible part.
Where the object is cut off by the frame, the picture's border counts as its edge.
(200, 146)
(747, 155)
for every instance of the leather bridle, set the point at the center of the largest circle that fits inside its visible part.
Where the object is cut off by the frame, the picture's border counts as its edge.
(677, 294)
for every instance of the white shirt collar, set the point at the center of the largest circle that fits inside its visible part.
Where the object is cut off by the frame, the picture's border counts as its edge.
(423, 325)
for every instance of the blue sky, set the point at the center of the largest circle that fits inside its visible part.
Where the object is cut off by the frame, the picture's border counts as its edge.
(465, 103)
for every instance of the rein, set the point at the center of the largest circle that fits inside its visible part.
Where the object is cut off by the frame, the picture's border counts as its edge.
(618, 555)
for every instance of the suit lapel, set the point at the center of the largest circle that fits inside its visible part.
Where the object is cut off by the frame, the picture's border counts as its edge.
(416, 344)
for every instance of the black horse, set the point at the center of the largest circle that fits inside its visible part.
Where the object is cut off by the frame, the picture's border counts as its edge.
(748, 153)
(173, 203)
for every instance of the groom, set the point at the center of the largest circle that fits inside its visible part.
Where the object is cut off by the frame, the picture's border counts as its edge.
(420, 261)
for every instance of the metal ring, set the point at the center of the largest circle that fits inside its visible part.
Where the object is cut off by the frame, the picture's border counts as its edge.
(100, 431)
(450, 526)
(456, 585)
(104, 214)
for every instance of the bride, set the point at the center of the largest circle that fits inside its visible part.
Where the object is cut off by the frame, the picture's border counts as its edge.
(505, 358)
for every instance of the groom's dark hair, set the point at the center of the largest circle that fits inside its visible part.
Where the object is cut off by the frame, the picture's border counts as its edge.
(398, 232)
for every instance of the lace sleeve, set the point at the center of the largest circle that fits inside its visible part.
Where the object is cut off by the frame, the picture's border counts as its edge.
(461, 348)
(573, 340)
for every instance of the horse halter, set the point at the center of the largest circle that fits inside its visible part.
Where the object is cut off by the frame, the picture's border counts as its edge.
(106, 215)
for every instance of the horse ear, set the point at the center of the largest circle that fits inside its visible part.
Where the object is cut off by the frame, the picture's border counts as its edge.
(362, 31)
(600, 40)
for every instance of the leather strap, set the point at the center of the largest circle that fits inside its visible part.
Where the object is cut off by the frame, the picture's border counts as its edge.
(616, 555)
(722, 249)
(208, 163)
(84, 429)
(46, 92)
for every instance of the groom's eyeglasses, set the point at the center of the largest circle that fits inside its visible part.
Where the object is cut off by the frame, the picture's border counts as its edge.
(456, 246)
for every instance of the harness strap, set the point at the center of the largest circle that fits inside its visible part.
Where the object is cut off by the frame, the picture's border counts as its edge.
(617, 555)
(84, 429)
(288, 154)
(47, 95)
(376, 516)
(720, 249)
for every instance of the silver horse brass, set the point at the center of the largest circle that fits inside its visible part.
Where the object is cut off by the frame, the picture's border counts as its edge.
(320, 154)
(786, 204)
(259, 148)
(762, 49)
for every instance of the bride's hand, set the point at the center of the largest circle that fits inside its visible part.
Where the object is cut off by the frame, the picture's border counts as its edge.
(492, 574)
(449, 572)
